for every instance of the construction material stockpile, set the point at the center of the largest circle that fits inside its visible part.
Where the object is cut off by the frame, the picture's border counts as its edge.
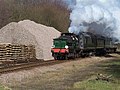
(30, 33)
(17, 52)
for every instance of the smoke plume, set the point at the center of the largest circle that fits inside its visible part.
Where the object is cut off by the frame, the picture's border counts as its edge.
(97, 16)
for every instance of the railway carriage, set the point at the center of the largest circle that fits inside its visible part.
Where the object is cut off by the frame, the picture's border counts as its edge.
(87, 43)
(109, 45)
(100, 45)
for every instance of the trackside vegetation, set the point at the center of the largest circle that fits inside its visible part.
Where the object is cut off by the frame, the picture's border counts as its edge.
(4, 87)
(108, 68)
(52, 13)
(96, 85)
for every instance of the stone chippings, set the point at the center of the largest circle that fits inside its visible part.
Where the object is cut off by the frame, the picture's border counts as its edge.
(28, 32)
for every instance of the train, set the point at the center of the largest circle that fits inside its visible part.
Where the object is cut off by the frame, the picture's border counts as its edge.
(70, 45)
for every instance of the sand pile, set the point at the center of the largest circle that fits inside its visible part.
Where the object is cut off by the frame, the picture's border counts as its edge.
(28, 32)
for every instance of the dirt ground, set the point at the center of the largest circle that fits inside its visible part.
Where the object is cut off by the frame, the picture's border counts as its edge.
(56, 77)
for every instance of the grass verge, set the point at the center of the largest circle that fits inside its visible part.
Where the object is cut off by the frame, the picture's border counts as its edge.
(4, 88)
(96, 85)
(107, 68)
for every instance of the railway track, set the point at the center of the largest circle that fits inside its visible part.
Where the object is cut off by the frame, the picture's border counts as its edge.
(27, 66)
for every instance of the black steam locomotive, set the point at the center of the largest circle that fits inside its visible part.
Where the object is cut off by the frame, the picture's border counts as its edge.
(85, 44)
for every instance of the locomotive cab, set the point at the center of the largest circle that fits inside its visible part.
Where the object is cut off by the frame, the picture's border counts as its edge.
(60, 46)
(60, 43)
(65, 46)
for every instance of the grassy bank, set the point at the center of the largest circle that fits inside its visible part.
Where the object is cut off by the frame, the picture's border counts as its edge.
(4, 88)
(96, 85)
(106, 68)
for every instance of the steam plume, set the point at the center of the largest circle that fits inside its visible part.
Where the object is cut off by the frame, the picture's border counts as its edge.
(98, 16)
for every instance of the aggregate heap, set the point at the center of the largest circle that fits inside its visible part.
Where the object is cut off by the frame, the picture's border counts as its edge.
(28, 32)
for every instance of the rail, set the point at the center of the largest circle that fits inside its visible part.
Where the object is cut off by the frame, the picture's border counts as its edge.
(28, 66)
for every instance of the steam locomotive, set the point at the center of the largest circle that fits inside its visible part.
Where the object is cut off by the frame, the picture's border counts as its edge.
(69, 45)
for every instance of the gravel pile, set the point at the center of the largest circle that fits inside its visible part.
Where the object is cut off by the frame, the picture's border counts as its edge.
(28, 32)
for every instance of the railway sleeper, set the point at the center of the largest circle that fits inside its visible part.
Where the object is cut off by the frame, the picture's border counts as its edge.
(7, 63)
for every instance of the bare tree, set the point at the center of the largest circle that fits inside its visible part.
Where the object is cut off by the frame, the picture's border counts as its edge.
(5, 13)
(48, 12)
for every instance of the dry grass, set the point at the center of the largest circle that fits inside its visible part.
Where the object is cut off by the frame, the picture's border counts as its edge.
(56, 77)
